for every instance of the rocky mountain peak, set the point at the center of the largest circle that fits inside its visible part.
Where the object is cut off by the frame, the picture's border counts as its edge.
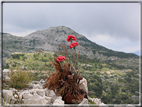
(52, 37)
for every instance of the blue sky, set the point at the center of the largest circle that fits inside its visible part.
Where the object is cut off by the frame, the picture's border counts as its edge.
(113, 25)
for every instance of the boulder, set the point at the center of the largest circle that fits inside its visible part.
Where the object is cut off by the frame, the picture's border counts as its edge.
(35, 82)
(13, 89)
(27, 96)
(49, 93)
(49, 99)
(102, 105)
(97, 101)
(35, 101)
(84, 85)
(23, 92)
(41, 92)
(33, 91)
(42, 81)
(58, 101)
(13, 100)
(6, 72)
(30, 86)
(37, 86)
(7, 95)
(84, 103)
(119, 106)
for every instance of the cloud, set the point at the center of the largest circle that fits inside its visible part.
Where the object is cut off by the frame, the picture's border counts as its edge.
(114, 43)
(117, 21)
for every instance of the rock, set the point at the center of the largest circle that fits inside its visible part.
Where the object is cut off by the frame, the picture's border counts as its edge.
(49, 99)
(35, 101)
(35, 96)
(134, 97)
(90, 98)
(13, 89)
(119, 106)
(16, 96)
(27, 96)
(30, 86)
(7, 94)
(84, 85)
(33, 91)
(35, 82)
(42, 81)
(49, 93)
(13, 100)
(23, 92)
(41, 92)
(97, 101)
(6, 72)
(102, 105)
(130, 105)
(7, 78)
(58, 101)
(37, 86)
(84, 103)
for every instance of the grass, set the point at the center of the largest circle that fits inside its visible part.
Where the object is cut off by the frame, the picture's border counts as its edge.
(19, 79)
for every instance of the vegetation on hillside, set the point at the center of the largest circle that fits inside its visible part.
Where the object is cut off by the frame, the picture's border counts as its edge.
(114, 84)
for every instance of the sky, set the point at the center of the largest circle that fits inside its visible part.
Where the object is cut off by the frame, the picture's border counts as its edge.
(115, 26)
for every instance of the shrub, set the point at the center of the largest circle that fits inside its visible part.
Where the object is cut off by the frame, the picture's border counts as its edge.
(19, 79)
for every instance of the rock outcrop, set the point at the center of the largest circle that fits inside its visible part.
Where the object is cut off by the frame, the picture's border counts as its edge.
(35, 94)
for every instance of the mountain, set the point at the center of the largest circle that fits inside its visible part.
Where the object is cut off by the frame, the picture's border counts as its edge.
(48, 38)
(137, 53)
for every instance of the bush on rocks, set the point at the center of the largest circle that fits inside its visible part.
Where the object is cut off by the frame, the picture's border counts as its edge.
(19, 79)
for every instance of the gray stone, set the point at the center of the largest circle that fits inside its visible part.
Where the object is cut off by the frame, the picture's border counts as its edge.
(37, 86)
(13, 89)
(27, 96)
(84, 84)
(41, 92)
(30, 86)
(35, 101)
(35, 82)
(97, 101)
(13, 100)
(58, 101)
(23, 92)
(84, 103)
(6, 73)
(42, 81)
(49, 99)
(49, 93)
(16, 96)
(7, 94)
(102, 105)
(33, 91)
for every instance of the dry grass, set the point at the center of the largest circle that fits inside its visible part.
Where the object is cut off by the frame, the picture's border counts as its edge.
(19, 79)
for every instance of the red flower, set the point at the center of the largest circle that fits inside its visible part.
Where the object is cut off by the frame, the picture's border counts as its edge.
(71, 37)
(74, 44)
(60, 58)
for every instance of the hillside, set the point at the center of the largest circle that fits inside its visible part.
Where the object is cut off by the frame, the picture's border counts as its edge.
(112, 83)
(51, 37)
